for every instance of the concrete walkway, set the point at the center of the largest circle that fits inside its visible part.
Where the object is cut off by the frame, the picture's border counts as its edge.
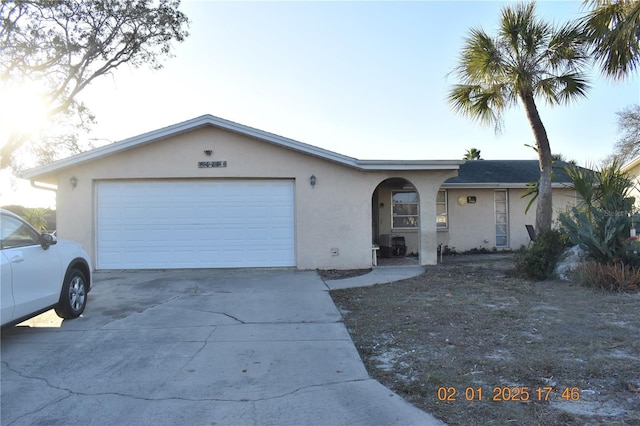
(198, 347)
(379, 275)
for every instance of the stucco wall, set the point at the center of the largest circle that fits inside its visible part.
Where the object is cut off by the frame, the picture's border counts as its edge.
(473, 225)
(335, 214)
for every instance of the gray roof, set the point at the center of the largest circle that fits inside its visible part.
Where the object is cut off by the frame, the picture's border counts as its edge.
(504, 173)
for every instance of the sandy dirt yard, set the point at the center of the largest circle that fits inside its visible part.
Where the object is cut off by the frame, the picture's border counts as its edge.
(474, 345)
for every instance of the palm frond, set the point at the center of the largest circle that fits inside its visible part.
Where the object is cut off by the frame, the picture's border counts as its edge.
(584, 183)
(563, 89)
(514, 22)
(480, 60)
(477, 103)
(567, 49)
(574, 86)
(548, 89)
(523, 32)
(613, 28)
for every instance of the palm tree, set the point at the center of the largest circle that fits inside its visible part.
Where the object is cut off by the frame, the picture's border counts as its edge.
(560, 158)
(613, 28)
(527, 59)
(472, 154)
(37, 217)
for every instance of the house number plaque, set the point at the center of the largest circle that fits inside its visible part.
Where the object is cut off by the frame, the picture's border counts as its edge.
(209, 164)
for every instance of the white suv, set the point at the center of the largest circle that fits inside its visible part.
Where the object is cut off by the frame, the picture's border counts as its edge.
(38, 272)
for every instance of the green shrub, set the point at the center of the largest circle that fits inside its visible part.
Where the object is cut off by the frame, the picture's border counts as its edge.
(602, 235)
(601, 222)
(539, 260)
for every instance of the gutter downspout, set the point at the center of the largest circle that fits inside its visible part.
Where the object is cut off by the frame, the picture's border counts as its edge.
(49, 187)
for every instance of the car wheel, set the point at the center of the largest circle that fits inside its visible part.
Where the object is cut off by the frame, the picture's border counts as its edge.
(73, 298)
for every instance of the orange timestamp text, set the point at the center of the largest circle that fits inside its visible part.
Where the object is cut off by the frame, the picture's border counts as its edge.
(508, 393)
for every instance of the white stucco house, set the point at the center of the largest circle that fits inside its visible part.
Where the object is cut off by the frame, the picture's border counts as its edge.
(210, 193)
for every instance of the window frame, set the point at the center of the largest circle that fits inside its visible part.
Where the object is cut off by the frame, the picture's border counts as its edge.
(444, 203)
(506, 213)
(394, 215)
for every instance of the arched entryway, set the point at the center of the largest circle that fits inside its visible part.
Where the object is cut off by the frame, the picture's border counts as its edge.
(395, 222)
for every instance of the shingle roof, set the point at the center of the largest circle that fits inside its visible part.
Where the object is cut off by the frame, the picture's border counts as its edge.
(503, 173)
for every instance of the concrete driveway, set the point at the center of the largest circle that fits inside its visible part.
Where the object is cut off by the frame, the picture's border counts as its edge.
(196, 347)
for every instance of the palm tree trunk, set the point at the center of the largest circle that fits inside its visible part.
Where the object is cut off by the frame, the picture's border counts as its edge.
(544, 208)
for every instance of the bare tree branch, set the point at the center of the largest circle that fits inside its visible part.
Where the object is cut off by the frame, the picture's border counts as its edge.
(66, 44)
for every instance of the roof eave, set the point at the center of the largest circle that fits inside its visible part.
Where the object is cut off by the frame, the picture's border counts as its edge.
(490, 185)
(209, 120)
(634, 162)
(406, 165)
(114, 148)
(183, 127)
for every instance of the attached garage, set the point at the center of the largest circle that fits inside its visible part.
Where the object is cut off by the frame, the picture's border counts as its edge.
(188, 223)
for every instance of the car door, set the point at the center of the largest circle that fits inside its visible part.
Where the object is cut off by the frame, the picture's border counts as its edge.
(6, 292)
(35, 272)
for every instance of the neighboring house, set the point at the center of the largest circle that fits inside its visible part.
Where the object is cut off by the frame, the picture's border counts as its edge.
(633, 168)
(483, 206)
(210, 193)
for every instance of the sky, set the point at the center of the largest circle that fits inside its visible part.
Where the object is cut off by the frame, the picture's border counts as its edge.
(364, 79)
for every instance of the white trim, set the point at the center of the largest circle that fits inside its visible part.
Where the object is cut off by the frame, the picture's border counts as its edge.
(408, 164)
(94, 232)
(501, 185)
(393, 215)
(495, 218)
(210, 120)
(631, 163)
(446, 209)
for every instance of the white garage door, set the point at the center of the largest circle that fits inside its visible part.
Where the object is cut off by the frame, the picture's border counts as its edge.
(195, 224)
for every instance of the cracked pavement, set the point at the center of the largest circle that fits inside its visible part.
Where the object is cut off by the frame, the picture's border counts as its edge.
(195, 347)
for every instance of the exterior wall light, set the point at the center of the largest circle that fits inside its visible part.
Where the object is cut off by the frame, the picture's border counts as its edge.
(74, 181)
(312, 180)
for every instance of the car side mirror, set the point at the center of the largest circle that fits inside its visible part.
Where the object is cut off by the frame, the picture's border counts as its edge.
(47, 240)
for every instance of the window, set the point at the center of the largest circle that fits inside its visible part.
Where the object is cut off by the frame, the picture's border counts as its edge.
(16, 234)
(501, 201)
(405, 209)
(441, 210)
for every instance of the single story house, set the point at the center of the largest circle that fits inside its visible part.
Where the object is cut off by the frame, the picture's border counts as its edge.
(211, 193)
